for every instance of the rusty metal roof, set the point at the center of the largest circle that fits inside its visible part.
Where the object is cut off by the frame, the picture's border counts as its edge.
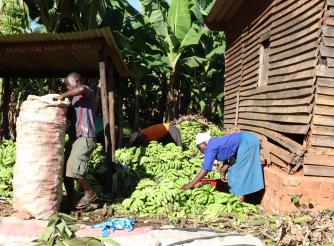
(57, 54)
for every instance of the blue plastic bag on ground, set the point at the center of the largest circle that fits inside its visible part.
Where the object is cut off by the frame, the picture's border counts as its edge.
(127, 224)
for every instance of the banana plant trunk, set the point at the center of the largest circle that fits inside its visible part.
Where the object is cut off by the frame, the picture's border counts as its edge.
(172, 97)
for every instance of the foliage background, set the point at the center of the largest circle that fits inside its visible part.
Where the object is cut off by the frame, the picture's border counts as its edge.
(174, 72)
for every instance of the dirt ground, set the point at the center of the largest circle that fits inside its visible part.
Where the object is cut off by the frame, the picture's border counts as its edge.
(302, 228)
(6, 208)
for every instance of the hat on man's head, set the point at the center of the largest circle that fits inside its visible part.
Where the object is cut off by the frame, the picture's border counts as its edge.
(202, 137)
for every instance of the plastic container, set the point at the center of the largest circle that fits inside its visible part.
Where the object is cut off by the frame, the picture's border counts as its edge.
(218, 183)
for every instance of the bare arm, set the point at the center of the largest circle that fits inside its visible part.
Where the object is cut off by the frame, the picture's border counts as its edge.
(80, 90)
(223, 171)
(199, 177)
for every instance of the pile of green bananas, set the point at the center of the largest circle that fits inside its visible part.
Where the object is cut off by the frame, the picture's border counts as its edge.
(164, 197)
(7, 161)
(190, 128)
(165, 169)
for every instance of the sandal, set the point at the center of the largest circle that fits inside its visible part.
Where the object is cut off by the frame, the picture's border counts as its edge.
(84, 202)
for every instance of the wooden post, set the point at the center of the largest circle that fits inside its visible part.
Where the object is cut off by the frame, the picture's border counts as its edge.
(104, 100)
(236, 112)
(5, 109)
(111, 99)
(52, 85)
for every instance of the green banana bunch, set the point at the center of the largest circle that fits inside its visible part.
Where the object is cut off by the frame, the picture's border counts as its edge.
(165, 169)
(7, 161)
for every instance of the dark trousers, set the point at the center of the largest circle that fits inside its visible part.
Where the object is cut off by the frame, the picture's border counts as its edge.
(173, 136)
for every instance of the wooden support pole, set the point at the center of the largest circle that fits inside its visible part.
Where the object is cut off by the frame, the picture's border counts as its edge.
(52, 85)
(4, 110)
(104, 100)
(111, 99)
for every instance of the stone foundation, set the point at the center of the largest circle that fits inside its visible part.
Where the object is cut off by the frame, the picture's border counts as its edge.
(280, 187)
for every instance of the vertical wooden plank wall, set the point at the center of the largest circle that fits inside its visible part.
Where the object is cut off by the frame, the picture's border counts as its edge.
(283, 107)
(319, 160)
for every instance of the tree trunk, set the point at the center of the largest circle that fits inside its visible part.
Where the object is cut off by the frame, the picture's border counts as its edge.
(163, 102)
(186, 99)
(172, 97)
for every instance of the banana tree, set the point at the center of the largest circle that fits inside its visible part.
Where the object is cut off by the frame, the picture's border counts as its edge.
(13, 20)
(68, 15)
(204, 72)
(176, 32)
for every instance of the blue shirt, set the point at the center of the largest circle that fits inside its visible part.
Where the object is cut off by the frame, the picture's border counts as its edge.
(221, 149)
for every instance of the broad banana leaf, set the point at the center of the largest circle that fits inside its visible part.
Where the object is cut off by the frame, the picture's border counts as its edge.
(179, 18)
(192, 37)
(193, 61)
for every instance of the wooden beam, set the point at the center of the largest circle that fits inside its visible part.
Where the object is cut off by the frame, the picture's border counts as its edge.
(318, 170)
(290, 118)
(286, 142)
(111, 100)
(321, 150)
(323, 71)
(292, 77)
(293, 68)
(325, 91)
(319, 160)
(327, 31)
(104, 100)
(294, 60)
(322, 130)
(281, 153)
(323, 120)
(322, 141)
(293, 52)
(330, 3)
(44, 47)
(279, 162)
(282, 94)
(328, 82)
(271, 103)
(279, 109)
(324, 100)
(326, 51)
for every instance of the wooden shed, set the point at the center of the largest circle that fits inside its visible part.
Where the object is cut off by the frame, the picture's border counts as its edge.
(279, 78)
(93, 54)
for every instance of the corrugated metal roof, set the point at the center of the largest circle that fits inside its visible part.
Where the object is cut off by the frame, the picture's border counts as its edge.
(56, 54)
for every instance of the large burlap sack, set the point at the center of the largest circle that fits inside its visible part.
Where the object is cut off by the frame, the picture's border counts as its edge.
(39, 156)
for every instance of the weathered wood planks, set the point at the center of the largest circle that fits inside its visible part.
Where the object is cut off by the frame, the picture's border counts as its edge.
(297, 97)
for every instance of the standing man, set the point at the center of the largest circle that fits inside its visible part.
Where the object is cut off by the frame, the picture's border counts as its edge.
(245, 175)
(84, 105)
(164, 132)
